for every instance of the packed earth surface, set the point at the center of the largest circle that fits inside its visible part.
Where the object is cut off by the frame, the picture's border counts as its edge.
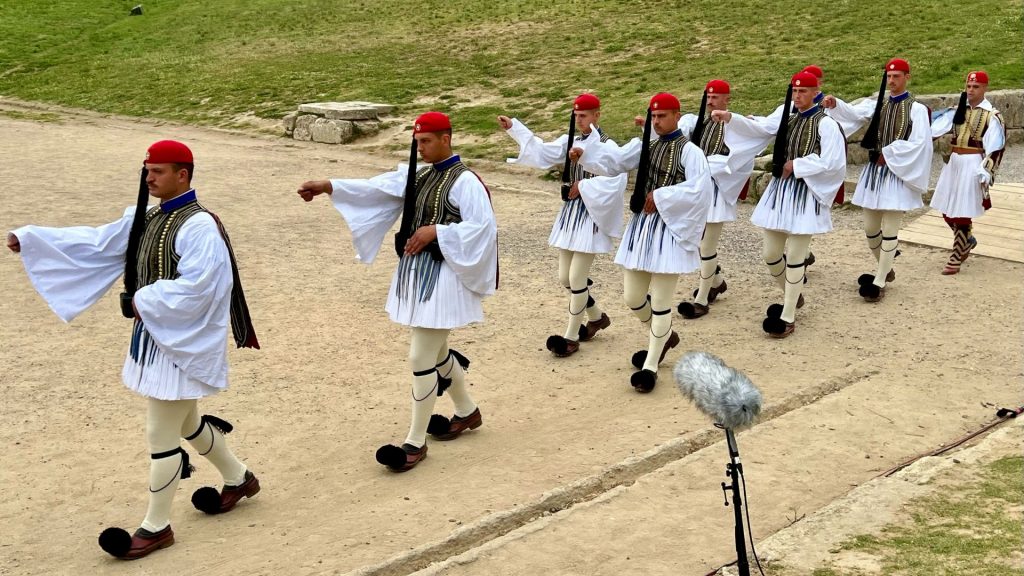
(572, 471)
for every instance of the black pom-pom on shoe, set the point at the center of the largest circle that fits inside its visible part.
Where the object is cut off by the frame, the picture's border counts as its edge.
(638, 359)
(116, 542)
(556, 345)
(773, 325)
(438, 425)
(865, 279)
(870, 292)
(207, 500)
(391, 456)
(644, 380)
(774, 311)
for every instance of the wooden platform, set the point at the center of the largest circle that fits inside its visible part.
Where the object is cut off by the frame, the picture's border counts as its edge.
(1000, 232)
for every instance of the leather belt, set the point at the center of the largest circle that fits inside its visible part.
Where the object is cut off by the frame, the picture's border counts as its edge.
(959, 150)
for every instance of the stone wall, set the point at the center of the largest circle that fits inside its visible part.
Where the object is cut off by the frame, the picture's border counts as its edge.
(335, 122)
(1010, 104)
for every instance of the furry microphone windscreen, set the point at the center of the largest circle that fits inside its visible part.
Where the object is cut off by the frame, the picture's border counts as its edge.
(725, 395)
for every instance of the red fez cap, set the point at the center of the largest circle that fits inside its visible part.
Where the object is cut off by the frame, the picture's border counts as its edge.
(586, 102)
(816, 70)
(978, 76)
(664, 101)
(168, 152)
(717, 87)
(432, 122)
(898, 65)
(804, 79)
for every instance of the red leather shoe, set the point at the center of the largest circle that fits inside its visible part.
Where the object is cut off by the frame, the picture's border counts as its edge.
(443, 429)
(208, 500)
(117, 542)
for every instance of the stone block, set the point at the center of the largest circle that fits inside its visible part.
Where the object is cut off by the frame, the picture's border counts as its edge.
(382, 109)
(303, 123)
(1010, 104)
(763, 163)
(366, 127)
(339, 111)
(289, 123)
(331, 131)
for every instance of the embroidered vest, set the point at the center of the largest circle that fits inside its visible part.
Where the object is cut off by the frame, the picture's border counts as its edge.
(803, 135)
(158, 260)
(712, 141)
(432, 190)
(971, 133)
(665, 168)
(894, 122)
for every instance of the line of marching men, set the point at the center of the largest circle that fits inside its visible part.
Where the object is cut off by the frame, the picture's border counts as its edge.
(183, 291)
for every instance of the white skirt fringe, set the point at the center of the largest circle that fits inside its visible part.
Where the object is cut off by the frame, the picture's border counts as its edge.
(649, 246)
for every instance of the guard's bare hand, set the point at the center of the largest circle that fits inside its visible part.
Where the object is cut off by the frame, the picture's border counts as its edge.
(309, 190)
(574, 191)
(505, 122)
(649, 207)
(423, 236)
(721, 116)
(639, 120)
(828, 101)
(881, 160)
(13, 243)
(787, 170)
(575, 154)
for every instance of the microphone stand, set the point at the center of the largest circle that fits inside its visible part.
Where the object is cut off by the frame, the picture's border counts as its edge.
(733, 470)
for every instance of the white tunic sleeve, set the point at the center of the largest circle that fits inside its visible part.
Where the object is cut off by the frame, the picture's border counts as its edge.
(852, 117)
(824, 173)
(470, 246)
(745, 136)
(911, 159)
(609, 159)
(769, 123)
(370, 208)
(687, 124)
(994, 139)
(533, 151)
(73, 267)
(603, 197)
(188, 316)
(684, 206)
(942, 123)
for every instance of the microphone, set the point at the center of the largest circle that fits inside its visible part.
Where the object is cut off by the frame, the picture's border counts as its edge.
(725, 395)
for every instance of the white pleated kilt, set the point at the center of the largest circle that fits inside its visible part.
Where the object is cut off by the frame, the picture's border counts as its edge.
(451, 305)
(649, 246)
(958, 193)
(721, 211)
(880, 189)
(156, 376)
(575, 230)
(789, 206)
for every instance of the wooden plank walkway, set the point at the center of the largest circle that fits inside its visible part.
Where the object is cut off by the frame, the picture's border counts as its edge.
(1000, 232)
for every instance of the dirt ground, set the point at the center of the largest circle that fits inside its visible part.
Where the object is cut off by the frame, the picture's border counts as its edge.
(331, 382)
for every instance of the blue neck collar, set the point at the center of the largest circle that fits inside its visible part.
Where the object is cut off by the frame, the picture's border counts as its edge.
(446, 164)
(819, 97)
(178, 201)
(900, 98)
(671, 135)
(809, 112)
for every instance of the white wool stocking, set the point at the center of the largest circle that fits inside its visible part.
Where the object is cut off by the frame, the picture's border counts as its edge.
(448, 367)
(708, 261)
(424, 348)
(891, 221)
(796, 255)
(210, 443)
(663, 288)
(773, 252)
(164, 419)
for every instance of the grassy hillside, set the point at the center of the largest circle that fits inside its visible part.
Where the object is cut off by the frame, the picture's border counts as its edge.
(212, 62)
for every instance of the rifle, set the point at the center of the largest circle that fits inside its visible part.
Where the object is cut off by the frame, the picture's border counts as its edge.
(409, 212)
(870, 140)
(779, 151)
(639, 196)
(567, 165)
(131, 278)
(698, 130)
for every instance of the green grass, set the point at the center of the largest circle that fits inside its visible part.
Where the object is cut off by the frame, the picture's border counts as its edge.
(209, 62)
(972, 529)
